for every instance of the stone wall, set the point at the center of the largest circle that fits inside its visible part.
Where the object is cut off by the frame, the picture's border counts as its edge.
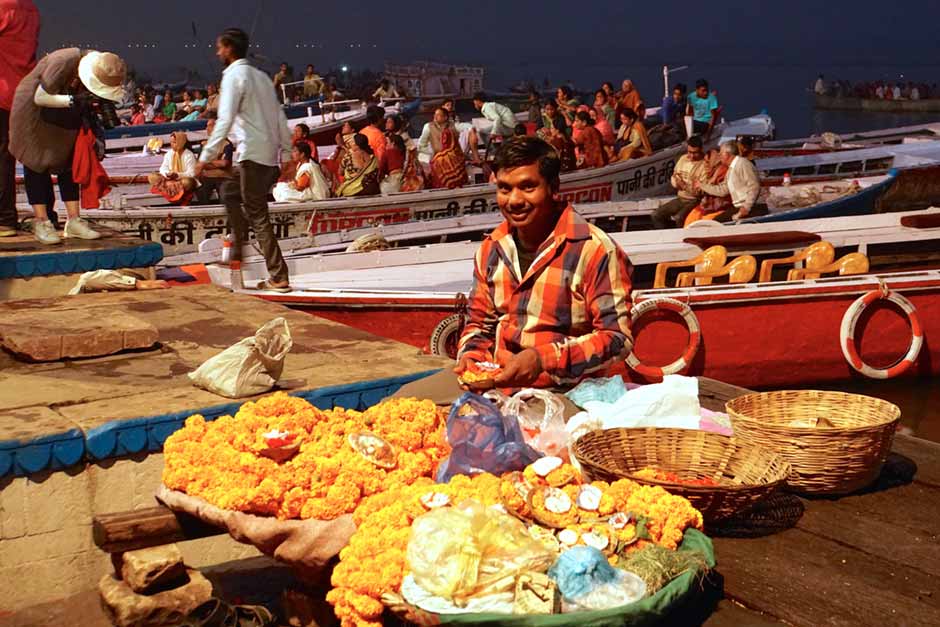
(45, 528)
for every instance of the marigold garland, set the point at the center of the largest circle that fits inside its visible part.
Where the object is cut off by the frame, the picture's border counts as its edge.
(221, 461)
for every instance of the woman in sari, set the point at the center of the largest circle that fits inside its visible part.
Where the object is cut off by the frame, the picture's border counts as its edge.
(309, 182)
(590, 143)
(360, 171)
(632, 140)
(554, 131)
(448, 166)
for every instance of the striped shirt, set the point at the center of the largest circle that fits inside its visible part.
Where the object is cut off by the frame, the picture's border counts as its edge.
(572, 305)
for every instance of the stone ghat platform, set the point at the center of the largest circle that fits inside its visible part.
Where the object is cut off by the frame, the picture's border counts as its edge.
(29, 269)
(83, 437)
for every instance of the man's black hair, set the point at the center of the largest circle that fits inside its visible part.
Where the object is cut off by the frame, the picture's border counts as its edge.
(237, 40)
(523, 150)
(304, 129)
(520, 129)
(585, 117)
(696, 141)
(375, 114)
(480, 95)
(701, 83)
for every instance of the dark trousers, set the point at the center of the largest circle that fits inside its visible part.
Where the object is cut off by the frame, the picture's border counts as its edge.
(730, 210)
(39, 187)
(699, 128)
(673, 213)
(7, 174)
(246, 201)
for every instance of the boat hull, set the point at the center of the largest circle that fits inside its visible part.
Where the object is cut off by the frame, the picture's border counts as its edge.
(181, 229)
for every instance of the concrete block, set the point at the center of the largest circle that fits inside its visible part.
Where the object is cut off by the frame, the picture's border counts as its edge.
(155, 567)
(128, 608)
(13, 508)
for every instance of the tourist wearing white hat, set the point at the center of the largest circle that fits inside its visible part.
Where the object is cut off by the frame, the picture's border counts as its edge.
(47, 114)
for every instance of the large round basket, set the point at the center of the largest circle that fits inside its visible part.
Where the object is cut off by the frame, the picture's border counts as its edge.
(682, 594)
(745, 473)
(842, 453)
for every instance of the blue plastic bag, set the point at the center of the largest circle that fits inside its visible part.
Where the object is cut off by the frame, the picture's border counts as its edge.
(482, 439)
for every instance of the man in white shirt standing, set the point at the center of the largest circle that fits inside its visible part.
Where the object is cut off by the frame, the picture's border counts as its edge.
(248, 105)
(742, 183)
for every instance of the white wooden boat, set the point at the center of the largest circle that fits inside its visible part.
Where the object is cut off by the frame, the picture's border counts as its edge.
(859, 139)
(870, 161)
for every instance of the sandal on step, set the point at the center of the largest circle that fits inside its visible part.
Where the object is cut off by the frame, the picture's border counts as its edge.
(253, 616)
(212, 613)
(267, 286)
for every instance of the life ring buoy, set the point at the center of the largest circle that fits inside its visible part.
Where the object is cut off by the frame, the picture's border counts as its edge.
(695, 337)
(445, 336)
(850, 321)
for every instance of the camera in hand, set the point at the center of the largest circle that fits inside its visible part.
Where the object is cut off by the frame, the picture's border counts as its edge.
(106, 113)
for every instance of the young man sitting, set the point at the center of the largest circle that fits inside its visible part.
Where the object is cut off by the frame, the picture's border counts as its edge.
(551, 293)
(689, 169)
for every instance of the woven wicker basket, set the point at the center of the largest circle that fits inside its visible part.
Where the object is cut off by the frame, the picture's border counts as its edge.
(837, 459)
(745, 473)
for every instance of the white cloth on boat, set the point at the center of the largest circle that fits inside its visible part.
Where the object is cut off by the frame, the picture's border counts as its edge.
(742, 183)
(317, 189)
(672, 403)
(248, 108)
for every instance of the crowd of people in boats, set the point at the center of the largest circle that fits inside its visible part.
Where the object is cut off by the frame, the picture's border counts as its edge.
(152, 106)
(876, 90)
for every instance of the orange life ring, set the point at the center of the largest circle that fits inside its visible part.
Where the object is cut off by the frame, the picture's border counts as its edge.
(695, 337)
(850, 321)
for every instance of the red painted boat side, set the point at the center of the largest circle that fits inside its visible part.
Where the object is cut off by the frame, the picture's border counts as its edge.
(412, 326)
(788, 342)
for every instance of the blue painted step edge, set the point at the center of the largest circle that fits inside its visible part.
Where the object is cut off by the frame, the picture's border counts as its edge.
(147, 434)
(48, 452)
(68, 262)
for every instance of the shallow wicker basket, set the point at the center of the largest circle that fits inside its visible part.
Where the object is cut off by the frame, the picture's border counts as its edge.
(745, 473)
(826, 460)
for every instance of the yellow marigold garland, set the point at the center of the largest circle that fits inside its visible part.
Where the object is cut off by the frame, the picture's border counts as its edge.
(221, 461)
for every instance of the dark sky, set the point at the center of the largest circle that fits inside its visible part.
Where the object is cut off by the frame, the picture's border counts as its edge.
(816, 33)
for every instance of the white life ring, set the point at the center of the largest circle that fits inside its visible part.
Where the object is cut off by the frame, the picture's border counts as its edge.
(695, 337)
(847, 334)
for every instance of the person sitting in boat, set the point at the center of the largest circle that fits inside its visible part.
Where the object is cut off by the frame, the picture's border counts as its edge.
(633, 141)
(534, 107)
(300, 133)
(212, 100)
(742, 183)
(374, 131)
(589, 142)
(567, 103)
(555, 131)
(608, 135)
(466, 132)
(412, 175)
(690, 168)
(628, 98)
(703, 107)
(177, 176)
(137, 115)
(169, 106)
(217, 171)
(448, 166)
(360, 169)
(550, 301)
(746, 147)
(283, 76)
(196, 107)
(604, 109)
(429, 143)
(185, 107)
(309, 182)
(385, 91)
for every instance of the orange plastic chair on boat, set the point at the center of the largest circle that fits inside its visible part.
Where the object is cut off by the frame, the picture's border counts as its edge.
(698, 214)
(741, 270)
(712, 259)
(853, 263)
(815, 256)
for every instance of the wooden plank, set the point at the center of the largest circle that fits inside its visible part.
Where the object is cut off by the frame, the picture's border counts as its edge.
(731, 614)
(804, 579)
(925, 454)
(714, 394)
(142, 528)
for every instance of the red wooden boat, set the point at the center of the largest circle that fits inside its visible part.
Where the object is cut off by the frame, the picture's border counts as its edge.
(753, 334)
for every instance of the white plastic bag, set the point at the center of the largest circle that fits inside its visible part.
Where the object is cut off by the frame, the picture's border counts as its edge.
(250, 367)
(543, 429)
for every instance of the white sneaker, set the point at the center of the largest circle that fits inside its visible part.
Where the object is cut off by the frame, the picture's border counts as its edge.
(78, 227)
(45, 233)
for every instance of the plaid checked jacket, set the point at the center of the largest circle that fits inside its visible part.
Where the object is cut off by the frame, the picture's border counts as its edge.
(572, 306)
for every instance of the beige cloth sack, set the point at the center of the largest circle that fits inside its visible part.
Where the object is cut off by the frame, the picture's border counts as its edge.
(250, 367)
(308, 546)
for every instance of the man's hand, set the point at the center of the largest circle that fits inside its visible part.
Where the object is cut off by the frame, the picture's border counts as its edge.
(463, 363)
(522, 370)
(172, 176)
(200, 166)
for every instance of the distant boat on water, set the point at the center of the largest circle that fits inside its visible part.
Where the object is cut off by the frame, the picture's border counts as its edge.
(875, 105)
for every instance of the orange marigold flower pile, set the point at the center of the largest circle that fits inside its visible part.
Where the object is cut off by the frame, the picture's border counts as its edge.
(374, 561)
(220, 461)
